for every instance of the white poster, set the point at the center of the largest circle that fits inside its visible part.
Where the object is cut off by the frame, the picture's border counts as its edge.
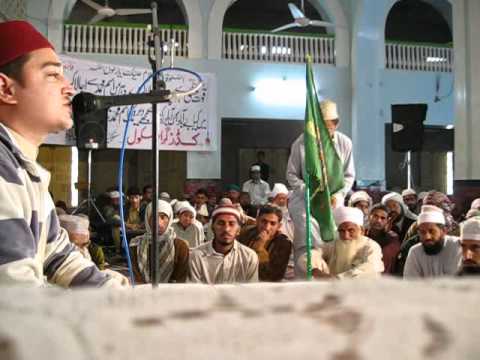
(185, 123)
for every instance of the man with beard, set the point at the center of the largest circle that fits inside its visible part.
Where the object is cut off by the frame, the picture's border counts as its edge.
(224, 259)
(273, 248)
(401, 218)
(470, 241)
(410, 199)
(387, 239)
(295, 173)
(361, 200)
(438, 254)
(351, 255)
(280, 198)
(412, 238)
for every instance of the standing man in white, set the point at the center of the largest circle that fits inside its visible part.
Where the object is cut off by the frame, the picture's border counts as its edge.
(295, 171)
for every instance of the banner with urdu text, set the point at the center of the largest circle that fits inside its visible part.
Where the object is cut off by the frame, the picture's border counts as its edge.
(186, 123)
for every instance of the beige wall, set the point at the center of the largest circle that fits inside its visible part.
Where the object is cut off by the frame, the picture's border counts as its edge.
(58, 161)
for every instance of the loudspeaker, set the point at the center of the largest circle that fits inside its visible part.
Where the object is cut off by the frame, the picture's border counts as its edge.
(91, 129)
(407, 126)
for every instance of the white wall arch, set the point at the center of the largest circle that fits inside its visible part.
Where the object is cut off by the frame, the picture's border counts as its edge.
(444, 8)
(193, 17)
(332, 8)
(61, 9)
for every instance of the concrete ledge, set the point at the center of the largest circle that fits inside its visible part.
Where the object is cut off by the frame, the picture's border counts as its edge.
(349, 320)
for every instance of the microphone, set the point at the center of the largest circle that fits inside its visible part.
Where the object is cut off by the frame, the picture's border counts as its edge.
(85, 102)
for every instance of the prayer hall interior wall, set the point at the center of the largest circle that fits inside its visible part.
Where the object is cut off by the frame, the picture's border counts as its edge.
(138, 170)
(274, 135)
(376, 88)
(360, 84)
(429, 166)
(58, 161)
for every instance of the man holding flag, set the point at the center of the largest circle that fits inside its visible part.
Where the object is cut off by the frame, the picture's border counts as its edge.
(321, 166)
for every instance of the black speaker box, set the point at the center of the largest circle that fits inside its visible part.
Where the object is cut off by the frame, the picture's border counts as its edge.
(91, 129)
(407, 126)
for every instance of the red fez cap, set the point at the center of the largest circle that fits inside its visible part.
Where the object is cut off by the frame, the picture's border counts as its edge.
(18, 38)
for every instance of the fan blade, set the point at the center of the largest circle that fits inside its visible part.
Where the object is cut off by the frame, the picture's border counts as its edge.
(321, 23)
(92, 4)
(285, 27)
(296, 12)
(96, 18)
(132, 11)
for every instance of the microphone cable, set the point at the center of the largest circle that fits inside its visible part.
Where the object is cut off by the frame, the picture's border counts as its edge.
(123, 148)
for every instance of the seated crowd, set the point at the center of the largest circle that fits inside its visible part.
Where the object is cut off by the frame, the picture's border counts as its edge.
(234, 241)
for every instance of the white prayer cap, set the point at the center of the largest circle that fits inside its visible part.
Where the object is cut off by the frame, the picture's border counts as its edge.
(475, 204)
(472, 213)
(407, 192)
(348, 214)
(163, 207)
(255, 168)
(225, 201)
(359, 196)
(392, 196)
(74, 224)
(431, 214)
(329, 110)
(164, 196)
(470, 229)
(278, 188)
(422, 195)
(114, 195)
(203, 211)
(226, 209)
(186, 207)
(178, 204)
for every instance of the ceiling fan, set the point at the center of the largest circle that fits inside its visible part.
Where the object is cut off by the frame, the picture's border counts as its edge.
(300, 20)
(107, 12)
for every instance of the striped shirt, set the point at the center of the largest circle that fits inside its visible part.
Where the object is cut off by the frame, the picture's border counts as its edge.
(33, 246)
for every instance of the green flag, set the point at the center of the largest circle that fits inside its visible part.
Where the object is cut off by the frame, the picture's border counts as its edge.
(323, 166)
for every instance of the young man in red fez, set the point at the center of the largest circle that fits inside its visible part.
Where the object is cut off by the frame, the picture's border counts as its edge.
(35, 100)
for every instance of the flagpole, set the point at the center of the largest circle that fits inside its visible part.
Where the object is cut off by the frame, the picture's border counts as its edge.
(308, 227)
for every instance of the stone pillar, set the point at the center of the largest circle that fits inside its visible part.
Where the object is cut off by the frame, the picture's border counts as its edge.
(466, 26)
(368, 62)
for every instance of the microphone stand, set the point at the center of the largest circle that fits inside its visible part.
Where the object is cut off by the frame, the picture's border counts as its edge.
(158, 84)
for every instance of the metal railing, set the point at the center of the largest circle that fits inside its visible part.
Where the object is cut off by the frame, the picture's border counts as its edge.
(277, 47)
(418, 57)
(103, 39)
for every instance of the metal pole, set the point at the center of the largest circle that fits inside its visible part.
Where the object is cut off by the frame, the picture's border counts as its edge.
(409, 169)
(308, 227)
(156, 84)
(89, 179)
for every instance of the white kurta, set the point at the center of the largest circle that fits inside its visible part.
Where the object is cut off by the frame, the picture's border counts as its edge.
(287, 226)
(258, 191)
(210, 267)
(367, 261)
(296, 205)
(193, 234)
(446, 263)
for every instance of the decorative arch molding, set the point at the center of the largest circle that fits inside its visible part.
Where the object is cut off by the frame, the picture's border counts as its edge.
(215, 27)
(193, 17)
(447, 16)
(332, 8)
